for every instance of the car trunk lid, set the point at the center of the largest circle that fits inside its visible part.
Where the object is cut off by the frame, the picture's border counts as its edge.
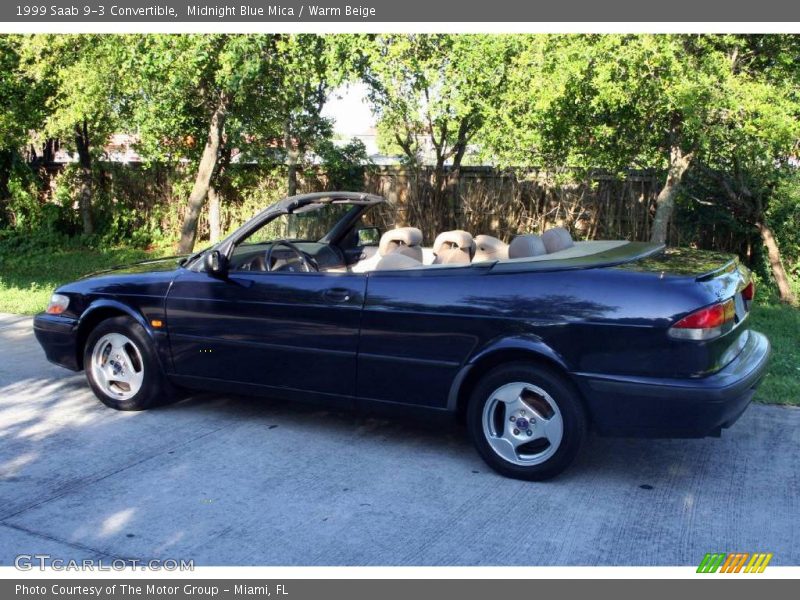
(727, 286)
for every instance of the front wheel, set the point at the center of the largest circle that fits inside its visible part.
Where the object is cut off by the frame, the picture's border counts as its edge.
(121, 366)
(526, 422)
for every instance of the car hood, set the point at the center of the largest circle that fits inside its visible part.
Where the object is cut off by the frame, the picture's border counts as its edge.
(169, 263)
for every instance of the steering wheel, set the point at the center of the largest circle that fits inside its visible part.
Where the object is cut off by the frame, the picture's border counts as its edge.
(307, 264)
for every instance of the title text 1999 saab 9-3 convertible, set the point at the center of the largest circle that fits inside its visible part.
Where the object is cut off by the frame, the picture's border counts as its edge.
(534, 342)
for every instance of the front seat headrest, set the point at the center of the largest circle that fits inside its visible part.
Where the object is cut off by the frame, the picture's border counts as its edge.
(489, 248)
(407, 238)
(556, 239)
(457, 246)
(526, 246)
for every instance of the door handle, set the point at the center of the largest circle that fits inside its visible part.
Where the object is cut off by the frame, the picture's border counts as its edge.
(339, 295)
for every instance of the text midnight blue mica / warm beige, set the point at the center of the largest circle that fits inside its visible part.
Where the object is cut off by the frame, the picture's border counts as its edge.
(279, 10)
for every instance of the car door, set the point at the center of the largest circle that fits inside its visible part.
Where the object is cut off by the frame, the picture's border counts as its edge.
(418, 328)
(286, 331)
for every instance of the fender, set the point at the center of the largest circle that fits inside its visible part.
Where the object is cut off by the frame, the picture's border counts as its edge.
(531, 344)
(157, 338)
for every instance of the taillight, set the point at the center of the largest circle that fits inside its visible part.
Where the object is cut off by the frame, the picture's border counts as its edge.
(749, 292)
(706, 323)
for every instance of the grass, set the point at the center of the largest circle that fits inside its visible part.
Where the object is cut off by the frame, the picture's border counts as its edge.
(781, 324)
(28, 277)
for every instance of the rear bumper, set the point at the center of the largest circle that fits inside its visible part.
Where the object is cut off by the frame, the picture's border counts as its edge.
(57, 336)
(646, 407)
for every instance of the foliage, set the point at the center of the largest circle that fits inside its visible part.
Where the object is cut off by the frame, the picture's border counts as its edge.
(84, 75)
(784, 215)
(249, 189)
(21, 97)
(21, 206)
(617, 101)
(21, 102)
(592, 101)
(344, 165)
(306, 70)
(181, 79)
(433, 89)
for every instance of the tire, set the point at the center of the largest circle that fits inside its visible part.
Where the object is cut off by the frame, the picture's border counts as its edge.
(548, 408)
(119, 355)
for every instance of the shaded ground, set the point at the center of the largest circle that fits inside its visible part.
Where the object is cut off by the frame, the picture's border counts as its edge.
(235, 481)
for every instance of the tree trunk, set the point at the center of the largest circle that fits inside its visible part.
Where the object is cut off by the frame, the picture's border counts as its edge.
(437, 205)
(454, 179)
(213, 214)
(202, 182)
(292, 157)
(85, 166)
(665, 202)
(214, 197)
(775, 263)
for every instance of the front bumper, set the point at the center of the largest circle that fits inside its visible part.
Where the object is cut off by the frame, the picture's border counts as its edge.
(647, 407)
(58, 337)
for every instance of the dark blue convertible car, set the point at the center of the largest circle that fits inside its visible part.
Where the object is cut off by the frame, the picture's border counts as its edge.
(534, 342)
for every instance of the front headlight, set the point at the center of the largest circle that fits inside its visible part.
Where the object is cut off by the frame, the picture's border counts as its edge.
(58, 304)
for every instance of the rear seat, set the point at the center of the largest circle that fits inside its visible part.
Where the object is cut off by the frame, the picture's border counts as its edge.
(490, 248)
(401, 248)
(525, 246)
(557, 239)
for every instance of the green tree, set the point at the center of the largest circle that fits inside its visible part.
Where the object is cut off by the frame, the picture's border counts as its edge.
(205, 96)
(84, 75)
(344, 165)
(668, 102)
(432, 92)
(307, 71)
(752, 154)
(21, 110)
(197, 97)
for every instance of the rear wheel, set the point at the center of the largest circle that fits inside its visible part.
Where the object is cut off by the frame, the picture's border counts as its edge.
(526, 422)
(121, 366)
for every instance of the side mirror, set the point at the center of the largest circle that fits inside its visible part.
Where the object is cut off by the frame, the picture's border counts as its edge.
(216, 264)
(369, 236)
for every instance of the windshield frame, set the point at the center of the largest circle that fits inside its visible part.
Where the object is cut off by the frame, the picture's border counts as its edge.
(361, 202)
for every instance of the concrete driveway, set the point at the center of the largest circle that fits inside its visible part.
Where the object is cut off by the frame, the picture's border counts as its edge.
(237, 481)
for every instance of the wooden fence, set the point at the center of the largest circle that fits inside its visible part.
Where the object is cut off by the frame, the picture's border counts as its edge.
(478, 199)
(505, 203)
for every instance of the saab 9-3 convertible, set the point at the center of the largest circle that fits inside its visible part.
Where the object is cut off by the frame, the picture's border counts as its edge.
(534, 342)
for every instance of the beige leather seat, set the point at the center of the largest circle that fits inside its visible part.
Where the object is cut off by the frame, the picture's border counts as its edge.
(453, 247)
(526, 246)
(556, 239)
(397, 261)
(489, 248)
(405, 241)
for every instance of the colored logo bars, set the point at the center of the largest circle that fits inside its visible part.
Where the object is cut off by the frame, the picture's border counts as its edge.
(735, 562)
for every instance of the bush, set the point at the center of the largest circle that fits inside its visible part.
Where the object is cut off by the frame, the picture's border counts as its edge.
(22, 206)
(344, 165)
(783, 216)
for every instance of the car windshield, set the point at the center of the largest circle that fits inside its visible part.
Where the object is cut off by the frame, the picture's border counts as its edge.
(309, 223)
